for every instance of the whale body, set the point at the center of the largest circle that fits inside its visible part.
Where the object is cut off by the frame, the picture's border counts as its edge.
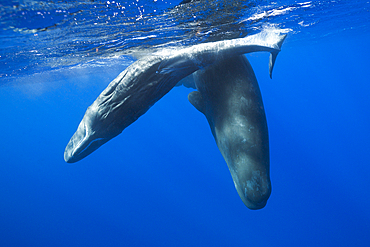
(147, 80)
(229, 96)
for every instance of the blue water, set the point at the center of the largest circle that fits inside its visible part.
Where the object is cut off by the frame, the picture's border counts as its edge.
(163, 181)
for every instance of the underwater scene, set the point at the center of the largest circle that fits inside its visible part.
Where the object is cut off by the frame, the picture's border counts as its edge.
(184, 123)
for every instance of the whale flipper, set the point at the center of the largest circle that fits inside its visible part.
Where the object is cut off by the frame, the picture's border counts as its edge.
(196, 99)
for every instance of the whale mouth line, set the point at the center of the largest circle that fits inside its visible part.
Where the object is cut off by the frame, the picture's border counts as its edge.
(88, 145)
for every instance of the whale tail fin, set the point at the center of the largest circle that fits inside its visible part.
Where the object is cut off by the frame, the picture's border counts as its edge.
(274, 54)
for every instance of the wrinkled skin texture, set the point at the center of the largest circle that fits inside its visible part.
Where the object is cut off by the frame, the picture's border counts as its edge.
(229, 96)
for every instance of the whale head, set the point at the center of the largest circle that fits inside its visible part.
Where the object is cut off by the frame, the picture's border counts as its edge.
(93, 131)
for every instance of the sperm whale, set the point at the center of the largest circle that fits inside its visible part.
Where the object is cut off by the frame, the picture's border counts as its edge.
(147, 80)
(229, 96)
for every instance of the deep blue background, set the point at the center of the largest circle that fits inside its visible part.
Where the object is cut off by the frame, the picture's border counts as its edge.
(163, 182)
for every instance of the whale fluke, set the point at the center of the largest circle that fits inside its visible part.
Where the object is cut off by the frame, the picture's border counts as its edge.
(273, 55)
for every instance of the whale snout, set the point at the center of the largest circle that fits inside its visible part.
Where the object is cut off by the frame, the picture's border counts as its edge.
(82, 143)
(253, 187)
(255, 197)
